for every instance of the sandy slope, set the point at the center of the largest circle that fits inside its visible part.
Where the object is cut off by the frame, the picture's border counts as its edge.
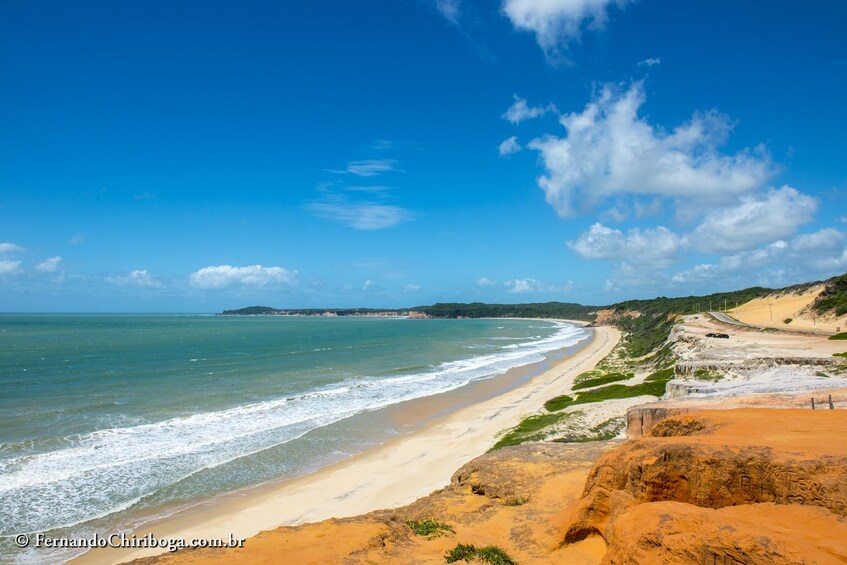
(773, 310)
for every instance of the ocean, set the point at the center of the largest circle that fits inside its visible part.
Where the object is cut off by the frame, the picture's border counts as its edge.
(109, 421)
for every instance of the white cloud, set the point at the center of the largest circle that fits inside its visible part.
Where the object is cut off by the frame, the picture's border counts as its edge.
(657, 247)
(807, 256)
(756, 220)
(556, 23)
(650, 62)
(140, 278)
(371, 167)
(360, 215)
(225, 276)
(450, 9)
(522, 286)
(412, 288)
(9, 268)
(367, 285)
(10, 248)
(485, 282)
(520, 111)
(608, 151)
(509, 146)
(76, 239)
(50, 265)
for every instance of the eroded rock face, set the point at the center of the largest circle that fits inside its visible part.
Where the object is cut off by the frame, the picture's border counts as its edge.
(787, 459)
(757, 534)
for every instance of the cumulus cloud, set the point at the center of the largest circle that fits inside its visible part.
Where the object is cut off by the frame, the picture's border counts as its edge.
(360, 215)
(521, 286)
(658, 246)
(9, 268)
(509, 146)
(225, 276)
(139, 278)
(608, 150)
(485, 282)
(755, 220)
(50, 265)
(556, 23)
(520, 111)
(820, 253)
(10, 248)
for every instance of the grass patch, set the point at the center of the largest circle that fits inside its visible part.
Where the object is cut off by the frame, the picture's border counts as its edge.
(842, 354)
(516, 501)
(490, 554)
(462, 552)
(787, 321)
(614, 392)
(430, 528)
(707, 375)
(661, 375)
(531, 428)
(842, 335)
(587, 375)
(602, 380)
(558, 403)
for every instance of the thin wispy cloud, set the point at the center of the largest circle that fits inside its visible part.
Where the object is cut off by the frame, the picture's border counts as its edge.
(76, 239)
(139, 278)
(371, 167)
(360, 215)
(650, 62)
(485, 282)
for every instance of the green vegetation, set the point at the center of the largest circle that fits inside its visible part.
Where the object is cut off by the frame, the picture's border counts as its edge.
(462, 552)
(842, 354)
(842, 335)
(558, 403)
(516, 501)
(268, 311)
(787, 321)
(602, 380)
(650, 329)
(531, 428)
(490, 554)
(708, 375)
(564, 310)
(833, 298)
(430, 528)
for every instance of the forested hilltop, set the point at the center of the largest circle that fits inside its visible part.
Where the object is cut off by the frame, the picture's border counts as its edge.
(645, 323)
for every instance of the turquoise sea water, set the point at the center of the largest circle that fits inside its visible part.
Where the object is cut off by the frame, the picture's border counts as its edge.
(108, 420)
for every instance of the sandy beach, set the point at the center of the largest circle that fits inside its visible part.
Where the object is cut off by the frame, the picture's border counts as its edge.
(391, 475)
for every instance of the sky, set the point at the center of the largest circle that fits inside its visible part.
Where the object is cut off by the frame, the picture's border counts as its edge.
(195, 156)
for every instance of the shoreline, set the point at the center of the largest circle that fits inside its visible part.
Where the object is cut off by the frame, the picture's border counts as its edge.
(389, 475)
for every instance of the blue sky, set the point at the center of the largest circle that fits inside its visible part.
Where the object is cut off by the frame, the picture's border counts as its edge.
(195, 156)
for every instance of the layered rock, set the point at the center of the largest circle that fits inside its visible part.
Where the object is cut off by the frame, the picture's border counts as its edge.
(771, 462)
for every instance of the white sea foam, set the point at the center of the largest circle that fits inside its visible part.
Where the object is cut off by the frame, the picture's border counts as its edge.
(110, 470)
